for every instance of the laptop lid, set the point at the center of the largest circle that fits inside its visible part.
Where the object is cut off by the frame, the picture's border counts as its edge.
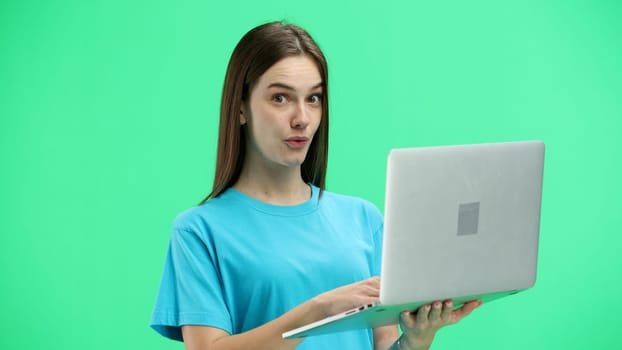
(461, 223)
(461, 220)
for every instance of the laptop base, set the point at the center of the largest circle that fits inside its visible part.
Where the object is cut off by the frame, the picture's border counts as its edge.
(372, 316)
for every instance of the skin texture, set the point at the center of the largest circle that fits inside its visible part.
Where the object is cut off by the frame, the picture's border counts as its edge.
(420, 327)
(281, 117)
(284, 104)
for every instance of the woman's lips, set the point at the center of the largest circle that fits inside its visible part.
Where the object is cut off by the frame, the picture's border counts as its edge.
(297, 142)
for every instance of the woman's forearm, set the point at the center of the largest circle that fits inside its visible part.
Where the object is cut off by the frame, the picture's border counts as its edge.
(268, 336)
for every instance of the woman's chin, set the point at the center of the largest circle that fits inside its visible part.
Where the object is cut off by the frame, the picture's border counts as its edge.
(293, 162)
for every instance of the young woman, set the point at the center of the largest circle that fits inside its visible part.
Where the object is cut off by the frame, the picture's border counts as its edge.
(269, 250)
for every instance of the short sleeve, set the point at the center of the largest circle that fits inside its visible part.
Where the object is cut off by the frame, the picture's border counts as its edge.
(191, 290)
(377, 251)
(375, 227)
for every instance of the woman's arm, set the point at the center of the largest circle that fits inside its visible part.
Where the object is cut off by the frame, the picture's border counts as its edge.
(384, 337)
(269, 336)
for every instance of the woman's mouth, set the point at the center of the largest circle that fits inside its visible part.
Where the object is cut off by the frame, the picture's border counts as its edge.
(297, 142)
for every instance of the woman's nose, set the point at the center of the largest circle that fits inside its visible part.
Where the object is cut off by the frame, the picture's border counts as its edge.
(300, 119)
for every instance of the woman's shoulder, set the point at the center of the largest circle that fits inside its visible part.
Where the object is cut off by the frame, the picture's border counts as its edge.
(196, 217)
(355, 210)
(343, 201)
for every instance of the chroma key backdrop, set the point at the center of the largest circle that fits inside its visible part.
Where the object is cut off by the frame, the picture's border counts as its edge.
(108, 125)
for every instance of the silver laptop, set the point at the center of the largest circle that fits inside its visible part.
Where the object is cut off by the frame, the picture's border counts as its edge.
(461, 223)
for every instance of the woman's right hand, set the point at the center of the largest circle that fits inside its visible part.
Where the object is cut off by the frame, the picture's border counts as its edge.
(270, 335)
(349, 296)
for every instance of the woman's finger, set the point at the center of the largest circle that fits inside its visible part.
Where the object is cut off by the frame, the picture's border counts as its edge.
(448, 307)
(423, 314)
(465, 310)
(435, 312)
(407, 319)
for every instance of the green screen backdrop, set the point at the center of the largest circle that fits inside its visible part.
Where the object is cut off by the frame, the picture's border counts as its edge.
(108, 117)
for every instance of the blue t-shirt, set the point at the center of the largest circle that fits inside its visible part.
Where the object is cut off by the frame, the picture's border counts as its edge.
(236, 263)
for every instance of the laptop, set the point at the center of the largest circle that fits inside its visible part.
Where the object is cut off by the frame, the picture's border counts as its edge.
(461, 223)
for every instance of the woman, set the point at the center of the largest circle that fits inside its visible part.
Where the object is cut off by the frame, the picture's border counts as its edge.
(269, 250)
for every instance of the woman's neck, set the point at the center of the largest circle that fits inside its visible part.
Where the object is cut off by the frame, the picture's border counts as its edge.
(284, 187)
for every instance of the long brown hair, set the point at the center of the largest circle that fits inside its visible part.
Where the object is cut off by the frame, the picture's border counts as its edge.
(258, 50)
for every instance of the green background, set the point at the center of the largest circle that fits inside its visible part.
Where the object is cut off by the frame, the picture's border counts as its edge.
(108, 115)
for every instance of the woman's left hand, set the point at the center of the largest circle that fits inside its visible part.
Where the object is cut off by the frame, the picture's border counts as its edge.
(420, 328)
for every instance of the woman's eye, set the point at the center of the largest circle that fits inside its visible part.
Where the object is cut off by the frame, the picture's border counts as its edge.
(315, 99)
(279, 98)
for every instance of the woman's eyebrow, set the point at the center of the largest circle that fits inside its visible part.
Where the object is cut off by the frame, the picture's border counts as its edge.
(287, 87)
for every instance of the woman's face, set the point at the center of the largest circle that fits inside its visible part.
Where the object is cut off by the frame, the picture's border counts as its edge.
(283, 113)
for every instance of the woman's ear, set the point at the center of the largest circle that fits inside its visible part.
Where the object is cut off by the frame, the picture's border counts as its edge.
(243, 114)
